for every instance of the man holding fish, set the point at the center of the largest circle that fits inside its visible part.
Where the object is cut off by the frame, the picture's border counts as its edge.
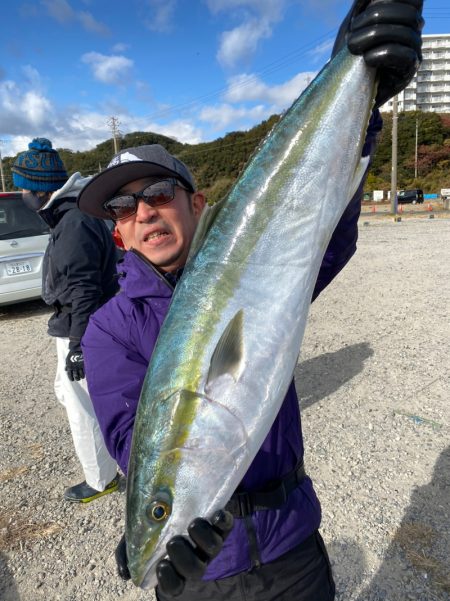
(214, 446)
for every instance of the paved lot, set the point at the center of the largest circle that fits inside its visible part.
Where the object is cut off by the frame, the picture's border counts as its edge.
(374, 385)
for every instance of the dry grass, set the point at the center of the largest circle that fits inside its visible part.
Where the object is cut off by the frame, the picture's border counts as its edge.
(412, 533)
(416, 540)
(442, 581)
(35, 453)
(13, 472)
(422, 561)
(19, 531)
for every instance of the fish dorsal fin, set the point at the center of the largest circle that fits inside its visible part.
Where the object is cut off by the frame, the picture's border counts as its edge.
(360, 170)
(204, 225)
(228, 356)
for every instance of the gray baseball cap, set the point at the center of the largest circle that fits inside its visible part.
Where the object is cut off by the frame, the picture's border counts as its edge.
(126, 166)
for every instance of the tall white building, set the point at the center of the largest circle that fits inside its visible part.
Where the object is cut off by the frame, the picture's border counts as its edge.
(430, 89)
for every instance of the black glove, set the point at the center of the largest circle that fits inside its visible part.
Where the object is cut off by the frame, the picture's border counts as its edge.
(121, 559)
(388, 34)
(75, 364)
(189, 561)
(185, 560)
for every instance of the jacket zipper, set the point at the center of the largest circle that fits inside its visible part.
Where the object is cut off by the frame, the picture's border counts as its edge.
(150, 264)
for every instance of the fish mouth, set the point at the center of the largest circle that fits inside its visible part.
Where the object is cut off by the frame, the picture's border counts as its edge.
(144, 576)
(143, 555)
(148, 579)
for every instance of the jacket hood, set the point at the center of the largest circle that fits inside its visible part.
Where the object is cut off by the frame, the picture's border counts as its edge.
(71, 189)
(139, 279)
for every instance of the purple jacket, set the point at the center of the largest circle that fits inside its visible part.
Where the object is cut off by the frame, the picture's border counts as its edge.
(117, 347)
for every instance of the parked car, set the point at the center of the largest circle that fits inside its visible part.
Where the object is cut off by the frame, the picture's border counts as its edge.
(413, 196)
(23, 240)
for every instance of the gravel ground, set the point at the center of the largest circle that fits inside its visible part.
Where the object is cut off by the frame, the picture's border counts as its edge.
(374, 385)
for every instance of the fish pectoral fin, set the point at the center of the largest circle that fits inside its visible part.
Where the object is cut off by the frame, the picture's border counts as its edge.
(228, 356)
(206, 220)
(360, 170)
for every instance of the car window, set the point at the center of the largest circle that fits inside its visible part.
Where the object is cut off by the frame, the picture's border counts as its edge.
(18, 221)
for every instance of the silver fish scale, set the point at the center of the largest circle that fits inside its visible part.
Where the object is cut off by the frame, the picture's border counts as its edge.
(262, 254)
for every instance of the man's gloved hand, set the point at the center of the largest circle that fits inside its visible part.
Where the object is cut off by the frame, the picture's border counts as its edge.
(185, 560)
(188, 561)
(388, 34)
(75, 364)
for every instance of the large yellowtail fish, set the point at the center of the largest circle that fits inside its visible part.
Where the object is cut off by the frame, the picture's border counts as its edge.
(230, 342)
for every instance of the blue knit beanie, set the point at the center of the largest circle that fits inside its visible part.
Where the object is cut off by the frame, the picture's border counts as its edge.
(39, 169)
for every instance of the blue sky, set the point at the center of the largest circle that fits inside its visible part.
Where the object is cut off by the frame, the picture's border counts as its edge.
(190, 69)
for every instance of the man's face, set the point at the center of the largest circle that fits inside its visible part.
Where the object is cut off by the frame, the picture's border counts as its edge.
(162, 234)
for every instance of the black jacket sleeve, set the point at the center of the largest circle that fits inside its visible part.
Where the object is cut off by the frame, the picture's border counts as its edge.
(80, 255)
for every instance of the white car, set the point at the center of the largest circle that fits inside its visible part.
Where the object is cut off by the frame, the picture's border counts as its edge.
(23, 239)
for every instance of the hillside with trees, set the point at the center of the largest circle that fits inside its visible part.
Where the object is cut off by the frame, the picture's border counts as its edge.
(216, 164)
(433, 153)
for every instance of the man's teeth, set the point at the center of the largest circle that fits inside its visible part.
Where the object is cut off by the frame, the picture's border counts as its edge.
(155, 235)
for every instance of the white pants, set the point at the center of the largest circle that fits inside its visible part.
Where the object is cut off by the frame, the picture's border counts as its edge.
(98, 466)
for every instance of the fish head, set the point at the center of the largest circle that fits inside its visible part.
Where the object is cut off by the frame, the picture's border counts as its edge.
(170, 480)
(157, 485)
(148, 530)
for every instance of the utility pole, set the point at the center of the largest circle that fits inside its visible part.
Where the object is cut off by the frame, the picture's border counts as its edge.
(417, 140)
(394, 156)
(113, 123)
(2, 175)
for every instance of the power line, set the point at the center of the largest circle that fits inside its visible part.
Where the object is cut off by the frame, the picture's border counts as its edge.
(272, 67)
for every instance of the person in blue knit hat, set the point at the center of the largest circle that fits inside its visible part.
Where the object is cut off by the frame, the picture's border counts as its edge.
(78, 277)
(40, 169)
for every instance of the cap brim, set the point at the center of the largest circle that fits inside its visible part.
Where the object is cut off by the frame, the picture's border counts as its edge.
(104, 185)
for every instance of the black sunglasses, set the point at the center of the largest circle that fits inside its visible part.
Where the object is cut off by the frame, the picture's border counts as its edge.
(155, 195)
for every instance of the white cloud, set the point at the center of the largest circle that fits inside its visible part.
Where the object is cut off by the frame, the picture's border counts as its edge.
(257, 20)
(267, 8)
(182, 130)
(249, 88)
(22, 109)
(91, 24)
(222, 115)
(26, 114)
(16, 144)
(161, 15)
(120, 47)
(322, 50)
(248, 100)
(115, 69)
(32, 76)
(61, 11)
(241, 43)
(36, 107)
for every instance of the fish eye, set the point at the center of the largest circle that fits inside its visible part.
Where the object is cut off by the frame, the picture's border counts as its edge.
(158, 511)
